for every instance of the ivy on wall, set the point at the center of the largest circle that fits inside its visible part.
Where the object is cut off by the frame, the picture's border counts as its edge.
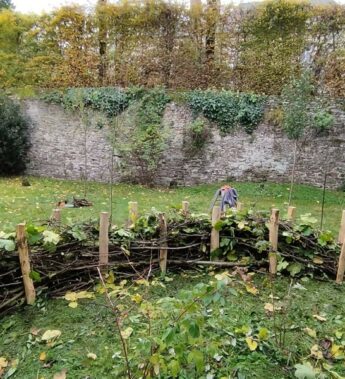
(228, 109)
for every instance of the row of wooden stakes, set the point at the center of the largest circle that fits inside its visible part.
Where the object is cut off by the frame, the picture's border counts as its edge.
(24, 258)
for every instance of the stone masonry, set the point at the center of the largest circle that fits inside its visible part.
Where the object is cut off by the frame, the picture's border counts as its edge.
(58, 145)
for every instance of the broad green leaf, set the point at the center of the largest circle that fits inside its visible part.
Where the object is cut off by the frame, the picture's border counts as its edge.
(196, 357)
(295, 268)
(51, 237)
(194, 329)
(305, 371)
(263, 334)
(8, 245)
(174, 368)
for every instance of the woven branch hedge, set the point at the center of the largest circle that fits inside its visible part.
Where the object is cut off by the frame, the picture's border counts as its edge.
(66, 257)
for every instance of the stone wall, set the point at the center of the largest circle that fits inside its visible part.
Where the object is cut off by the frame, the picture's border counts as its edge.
(57, 150)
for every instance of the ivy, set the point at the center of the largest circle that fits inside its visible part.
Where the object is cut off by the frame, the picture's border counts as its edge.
(108, 100)
(196, 136)
(228, 109)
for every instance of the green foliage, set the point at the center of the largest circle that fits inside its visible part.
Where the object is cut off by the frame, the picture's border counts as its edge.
(323, 121)
(140, 136)
(14, 141)
(6, 4)
(296, 97)
(298, 105)
(228, 109)
(111, 101)
(197, 135)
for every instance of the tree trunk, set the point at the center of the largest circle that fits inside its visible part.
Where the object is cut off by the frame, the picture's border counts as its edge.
(102, 42)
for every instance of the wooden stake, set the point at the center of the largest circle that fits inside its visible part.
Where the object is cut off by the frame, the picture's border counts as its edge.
(57, 215)
(273, 238)
(185, 208)
(215, 233)
(23, 250)
(163, 252)
(291, 214)
(341, 237)
(341, 265)
(133, 211)
(104, 240)
(239, 206)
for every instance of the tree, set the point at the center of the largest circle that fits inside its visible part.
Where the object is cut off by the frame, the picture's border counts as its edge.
(14, 141)
(6, 4)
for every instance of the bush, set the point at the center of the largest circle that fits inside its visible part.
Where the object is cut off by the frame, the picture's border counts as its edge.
(323, 121)
(197, 135)
(14, 141)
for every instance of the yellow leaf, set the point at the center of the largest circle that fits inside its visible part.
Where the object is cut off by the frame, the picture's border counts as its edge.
(3, 362)
(143, 282)
(241, 225)
(251, 343)
(337, 351)
(43, 356)
(315, 352)
(137, 298)
(85, 295)
(123, 283)
(126, 333)
(70, 296)
(60, 375)
(310, 332)
(320, 318)
(263, 334)
(251, 289)
(50, 335)
(92, 356)
(111, 278)
(73, 304)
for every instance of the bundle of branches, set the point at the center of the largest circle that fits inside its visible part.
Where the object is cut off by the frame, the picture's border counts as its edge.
(66, 258)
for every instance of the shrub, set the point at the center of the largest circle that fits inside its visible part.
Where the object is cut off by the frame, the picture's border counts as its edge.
(197, 135)
(323, 121)
(14, 141)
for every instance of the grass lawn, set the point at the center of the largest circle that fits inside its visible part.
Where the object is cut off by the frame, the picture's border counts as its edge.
(35, 203)
(90, 328)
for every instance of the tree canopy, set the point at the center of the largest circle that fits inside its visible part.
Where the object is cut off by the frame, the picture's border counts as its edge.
(147, 43)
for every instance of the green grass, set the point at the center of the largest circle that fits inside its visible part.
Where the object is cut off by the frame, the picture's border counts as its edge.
(35, 203)
(90, 328)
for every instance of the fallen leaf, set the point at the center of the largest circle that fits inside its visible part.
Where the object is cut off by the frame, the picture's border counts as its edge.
(315, 352)
(61, 374)
(270, 308)
(251, 343)
(43, 356)
(92, 356)
(3, 362)
(337, 351)
(50, 335)
(305, 371)
(73, 304)
(310, 332)
(317, 260)
(320, 318)
(34, 331)
(252, 289)
(70, 296)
